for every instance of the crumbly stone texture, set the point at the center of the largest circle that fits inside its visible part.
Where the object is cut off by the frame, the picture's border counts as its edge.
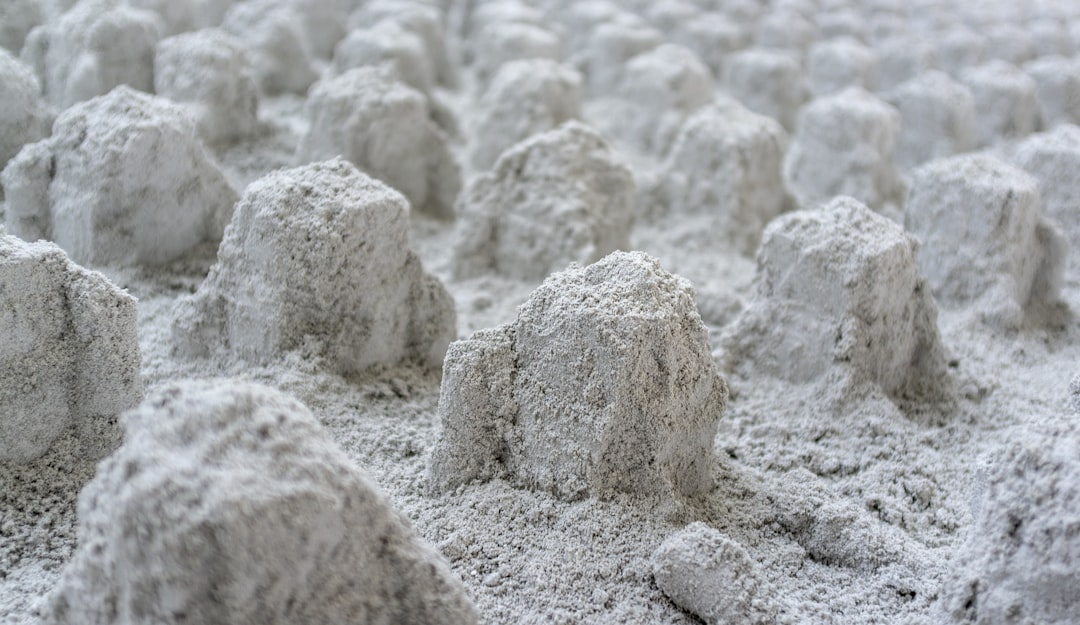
(604, 384)
(712, 576)
(1057, 87)
(24, 117)
(836, 64)
(937, 119)
(1021, 561)
(17, 19)
(211, 73)
(524, 98)
(69, 352)
(388, 43)
(318, 257)
(726, 162)
(983, 238)
(659, 90)
(1006, 103)
(844, 145)
(383, 127)
(123, 181)
(839, 297)
(768, 82)
(93, 47)
(273, 32)
(559, 197)
(229, 503)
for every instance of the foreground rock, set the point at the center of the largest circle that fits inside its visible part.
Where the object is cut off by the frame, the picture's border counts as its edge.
(228, 503)
(603, 385)
(69, 352)
(840, 297)
(1021, 561)
(318, 257)
(123, 181)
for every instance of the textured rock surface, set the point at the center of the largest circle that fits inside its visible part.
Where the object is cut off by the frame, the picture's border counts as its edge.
(209, 71)
(318, 257)
(228, 503)
(559, 197)
(603, 385)
(707, 573)
(844, 145)
(726, 162)
(384, 128)
(93, 47)
(524, 98)
(69, 351)
(979, 222)
(123, 181)
(937, 119)
(24, 117)
(1021, 561)
(839, 293)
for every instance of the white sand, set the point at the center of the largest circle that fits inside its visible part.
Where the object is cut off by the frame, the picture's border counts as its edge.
(850, 507)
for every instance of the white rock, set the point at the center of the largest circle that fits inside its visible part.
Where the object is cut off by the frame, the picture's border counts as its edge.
(423, 19)
(1012, 43)
(707, 573)
(1057, 87)
(177, 16)
(768, 82)
(843, 145)
(318, 257)
(1051, 37)
(273, 32)
(69, 352)
(659, 90)
(983, 237)
(323, 22)
(841, 22)
(93, 47)
(17, 19)
(1053, 158)
(839, 296)
(937, 119)
(960, 49)
(559, 197)
(24, 116)
(1021, 561)
(786, 30)
(612, 45)
(726, 162)
(123, 181)
(229, 503)
(524, 98)
(209, 71)
(902, 58)
(1005, 102)
(834, 64)
(603, 385)
(499, 42)
(387, 43)
(714, 38)
(383, 127)
(580, 19)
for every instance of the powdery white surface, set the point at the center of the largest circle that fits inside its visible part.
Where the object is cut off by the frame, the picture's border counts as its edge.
(854, 515)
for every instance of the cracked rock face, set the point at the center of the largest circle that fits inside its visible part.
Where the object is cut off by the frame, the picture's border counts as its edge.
(228, 503)
(69, 351)
(318, 256)
(603, 385)
(839, 292)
